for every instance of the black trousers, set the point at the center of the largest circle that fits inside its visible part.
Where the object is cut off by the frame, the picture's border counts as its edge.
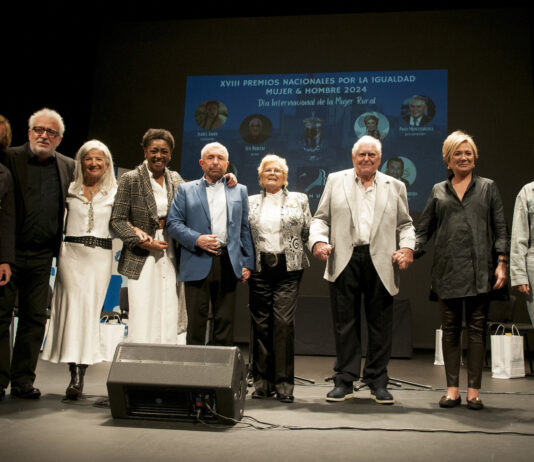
(358, 279)
(273, 302)
(219, 287)
(31, 277)
(476, 314)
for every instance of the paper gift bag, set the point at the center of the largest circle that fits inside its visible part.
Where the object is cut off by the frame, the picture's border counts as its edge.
(110, 336)
(507, 359)
(438, 357)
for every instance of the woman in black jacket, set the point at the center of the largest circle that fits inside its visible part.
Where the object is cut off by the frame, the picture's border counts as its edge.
(465, 215)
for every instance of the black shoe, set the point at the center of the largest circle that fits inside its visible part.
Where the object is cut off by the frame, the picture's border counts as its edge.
(340, 392)
(2, 392)
(26, 391)
(77, 373)
(285, 398)
(261, 394)
(475, 404)
(382, 396)
(447, 401)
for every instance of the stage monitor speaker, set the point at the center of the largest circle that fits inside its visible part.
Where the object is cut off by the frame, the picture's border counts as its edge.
(177, 382)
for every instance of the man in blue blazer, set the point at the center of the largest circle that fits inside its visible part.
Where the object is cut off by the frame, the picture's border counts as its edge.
(210, 222)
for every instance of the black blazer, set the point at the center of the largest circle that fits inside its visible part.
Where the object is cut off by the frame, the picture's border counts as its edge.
(16, 160)
(7, 217)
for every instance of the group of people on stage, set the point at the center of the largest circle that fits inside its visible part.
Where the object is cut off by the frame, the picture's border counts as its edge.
(186, 246)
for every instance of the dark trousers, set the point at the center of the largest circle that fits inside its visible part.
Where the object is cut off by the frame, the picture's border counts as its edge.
(31, 277)
(218, 288)
(357, 279)
(273, 302)
(476, 314)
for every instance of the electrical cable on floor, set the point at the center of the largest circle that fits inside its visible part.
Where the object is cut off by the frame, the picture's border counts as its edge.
(271, 426)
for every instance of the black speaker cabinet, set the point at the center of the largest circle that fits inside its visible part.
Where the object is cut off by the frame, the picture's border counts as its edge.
(175, 382)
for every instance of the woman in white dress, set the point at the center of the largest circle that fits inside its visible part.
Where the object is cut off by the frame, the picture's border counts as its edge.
(84, 266)
(156, 301)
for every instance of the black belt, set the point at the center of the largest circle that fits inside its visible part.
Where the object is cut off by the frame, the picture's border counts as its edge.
(271, 259)
(221, 251)
(90, 241)
(361, 248)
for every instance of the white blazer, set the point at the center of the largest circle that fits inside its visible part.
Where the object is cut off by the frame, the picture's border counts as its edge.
(336, 216)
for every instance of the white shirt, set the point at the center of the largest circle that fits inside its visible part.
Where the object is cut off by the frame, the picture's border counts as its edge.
(160, 195)
(415, 121)
(269, 225)
(365, 204)
(216, 193)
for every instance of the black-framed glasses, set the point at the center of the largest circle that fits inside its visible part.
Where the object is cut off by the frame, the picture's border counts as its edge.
(51, 133)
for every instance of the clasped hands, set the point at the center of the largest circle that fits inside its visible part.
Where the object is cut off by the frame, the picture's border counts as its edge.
(403, 257)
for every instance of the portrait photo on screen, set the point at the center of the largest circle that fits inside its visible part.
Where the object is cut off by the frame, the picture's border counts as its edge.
(418, 110)
(255, 129)
(211, 115)
(373, 124)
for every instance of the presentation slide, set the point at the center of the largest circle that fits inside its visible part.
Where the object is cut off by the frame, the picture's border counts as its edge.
(313, 120)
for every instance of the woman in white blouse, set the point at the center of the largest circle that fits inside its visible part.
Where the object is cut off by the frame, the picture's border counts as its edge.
(157, 311)
(280, 224)
(84, 266)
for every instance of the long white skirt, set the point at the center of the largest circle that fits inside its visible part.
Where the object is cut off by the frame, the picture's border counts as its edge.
(156, 301)
(82, 281)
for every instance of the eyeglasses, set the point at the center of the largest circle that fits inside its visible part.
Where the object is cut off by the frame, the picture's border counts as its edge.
(272, 170)
(50, 133)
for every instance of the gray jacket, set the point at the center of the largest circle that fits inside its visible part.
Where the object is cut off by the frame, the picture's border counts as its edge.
(522, 235)
(135, 206)
(295, 227)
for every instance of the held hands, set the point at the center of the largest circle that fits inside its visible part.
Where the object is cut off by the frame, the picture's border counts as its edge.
(208, 242)
(523, 288)
(403, 257)
(5, 273)
(322, 250)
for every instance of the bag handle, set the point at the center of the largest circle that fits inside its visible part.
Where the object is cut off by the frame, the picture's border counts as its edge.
(497, 330)
(516, 329)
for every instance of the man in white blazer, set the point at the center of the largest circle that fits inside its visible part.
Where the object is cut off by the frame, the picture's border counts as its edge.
(364, 232)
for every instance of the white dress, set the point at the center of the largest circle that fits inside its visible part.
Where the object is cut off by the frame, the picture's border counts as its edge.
(156, 301)
(82, 280)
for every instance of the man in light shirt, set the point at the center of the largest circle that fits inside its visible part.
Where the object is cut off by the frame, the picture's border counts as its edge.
(361, 217)
(210, 221)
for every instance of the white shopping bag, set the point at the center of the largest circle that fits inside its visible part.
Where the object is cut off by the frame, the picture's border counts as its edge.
(110, 336)
(438, 357)
(507, 359)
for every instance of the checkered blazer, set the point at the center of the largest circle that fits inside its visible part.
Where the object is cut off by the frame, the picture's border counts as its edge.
(135, 206)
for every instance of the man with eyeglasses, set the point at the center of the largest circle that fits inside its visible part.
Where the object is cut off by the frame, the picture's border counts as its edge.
(41, 177)
(362, 215)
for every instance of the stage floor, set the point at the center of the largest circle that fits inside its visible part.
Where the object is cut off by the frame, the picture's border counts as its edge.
(413, 429)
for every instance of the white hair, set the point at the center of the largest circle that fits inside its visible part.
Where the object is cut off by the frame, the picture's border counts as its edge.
(215, 147)
(45, 112)
(107, 182)
(369, 140)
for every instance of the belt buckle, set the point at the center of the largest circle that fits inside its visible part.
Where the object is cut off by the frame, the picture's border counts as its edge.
(91, 242)
(271, 260)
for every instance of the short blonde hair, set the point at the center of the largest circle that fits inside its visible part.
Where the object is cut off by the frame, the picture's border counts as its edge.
(268, 158)
(451, 143)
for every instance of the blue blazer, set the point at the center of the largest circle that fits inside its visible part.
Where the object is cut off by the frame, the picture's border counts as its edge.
(189, 217)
